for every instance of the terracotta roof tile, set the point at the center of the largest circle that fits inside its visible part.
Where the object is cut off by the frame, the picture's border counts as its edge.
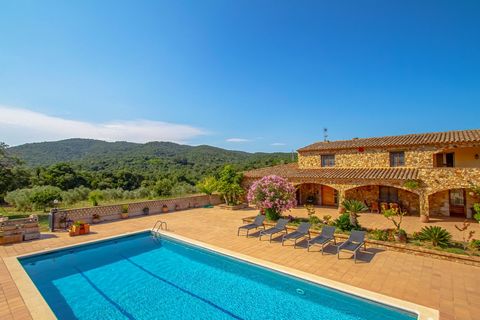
(441, 138)
(292, 171)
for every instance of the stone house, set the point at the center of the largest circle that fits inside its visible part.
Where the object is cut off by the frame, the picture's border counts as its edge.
(425, 174)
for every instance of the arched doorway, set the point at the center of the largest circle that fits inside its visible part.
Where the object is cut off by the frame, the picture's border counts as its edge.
(316, 194)
(374, 195)
(451, 202)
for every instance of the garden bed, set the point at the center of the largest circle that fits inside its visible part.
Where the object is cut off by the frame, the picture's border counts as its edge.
(395, 246)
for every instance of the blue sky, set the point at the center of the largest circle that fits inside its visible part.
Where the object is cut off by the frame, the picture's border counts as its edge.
(247, 75)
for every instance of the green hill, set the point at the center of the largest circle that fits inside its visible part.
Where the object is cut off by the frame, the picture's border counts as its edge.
(181, 162)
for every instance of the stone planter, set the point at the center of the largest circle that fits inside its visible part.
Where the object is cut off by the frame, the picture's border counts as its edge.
(235, 207)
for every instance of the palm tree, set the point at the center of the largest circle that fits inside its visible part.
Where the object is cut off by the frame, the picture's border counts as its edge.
(353, 207)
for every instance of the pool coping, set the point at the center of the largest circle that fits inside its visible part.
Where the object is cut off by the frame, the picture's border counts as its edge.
(40, 310)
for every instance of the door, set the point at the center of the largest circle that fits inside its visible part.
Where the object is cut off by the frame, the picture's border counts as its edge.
(457, 203)
(329, 197)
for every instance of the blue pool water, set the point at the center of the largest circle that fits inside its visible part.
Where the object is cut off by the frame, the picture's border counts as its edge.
(142, 277)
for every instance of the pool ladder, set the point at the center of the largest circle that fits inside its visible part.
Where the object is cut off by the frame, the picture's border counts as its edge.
(159, 225)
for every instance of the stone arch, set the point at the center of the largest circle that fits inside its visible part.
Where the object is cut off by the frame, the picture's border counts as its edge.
(316, 193)
(455, 201)
(371, 195)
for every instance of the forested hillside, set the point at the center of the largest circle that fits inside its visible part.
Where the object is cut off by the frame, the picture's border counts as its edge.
(155, 168)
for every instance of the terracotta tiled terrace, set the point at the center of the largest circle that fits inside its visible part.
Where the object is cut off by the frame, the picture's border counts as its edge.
(452, 288)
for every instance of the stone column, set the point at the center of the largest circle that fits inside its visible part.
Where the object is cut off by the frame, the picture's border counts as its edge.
(424, 207)
(341, 197)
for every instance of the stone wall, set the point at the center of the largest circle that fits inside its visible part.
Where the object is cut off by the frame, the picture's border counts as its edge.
(439, 203)
(373, 158)
(112, 212)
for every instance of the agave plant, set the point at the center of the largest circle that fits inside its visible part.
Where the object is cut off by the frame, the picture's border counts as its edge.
(353, 208)
(437, 235)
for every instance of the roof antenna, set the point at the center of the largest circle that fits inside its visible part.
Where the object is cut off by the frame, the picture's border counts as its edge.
(293, 156)
(325, 134)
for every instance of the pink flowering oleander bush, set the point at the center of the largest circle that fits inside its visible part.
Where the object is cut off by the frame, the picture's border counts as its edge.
(272, 194)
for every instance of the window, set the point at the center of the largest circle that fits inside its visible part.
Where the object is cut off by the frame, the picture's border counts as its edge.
(388, 194)
(445, 159)
(457, 197)
(328, 160)
(397, 159)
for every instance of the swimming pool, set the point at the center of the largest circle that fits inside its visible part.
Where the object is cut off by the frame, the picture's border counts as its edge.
(145, 277)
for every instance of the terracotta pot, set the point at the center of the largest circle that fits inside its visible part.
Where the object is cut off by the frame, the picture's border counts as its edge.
(124, 215)
(165, 209)
(74, 231)
(424, 218)
(86, 227)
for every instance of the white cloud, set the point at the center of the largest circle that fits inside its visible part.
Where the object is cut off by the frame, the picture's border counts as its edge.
(237, 140)
(21, 125)
(278, 144)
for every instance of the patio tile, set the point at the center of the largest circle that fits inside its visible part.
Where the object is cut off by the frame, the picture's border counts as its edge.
(452, 288)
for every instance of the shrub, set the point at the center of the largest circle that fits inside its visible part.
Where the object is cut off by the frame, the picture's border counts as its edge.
(182, 188)
(20, 199)
(75, 195)
(475, 244)
(476, 208)
(439, 236)
(314, 220)
(125, 208)
(163, 187)
(43, 197)
(95, 196)
(380, 234)
(273, 194)
(113, 194)
(343, 222)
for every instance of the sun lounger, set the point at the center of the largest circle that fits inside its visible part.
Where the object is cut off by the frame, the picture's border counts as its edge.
(301, 232)
(257, 223)
(281, 226)
(353, 244)
(324, 238)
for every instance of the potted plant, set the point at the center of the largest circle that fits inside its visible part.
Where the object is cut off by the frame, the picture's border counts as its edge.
(95, 218)
(75, 229)
(84, 228)
(165, 208)
(396, 216)
(146, 211)
(124, 214)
